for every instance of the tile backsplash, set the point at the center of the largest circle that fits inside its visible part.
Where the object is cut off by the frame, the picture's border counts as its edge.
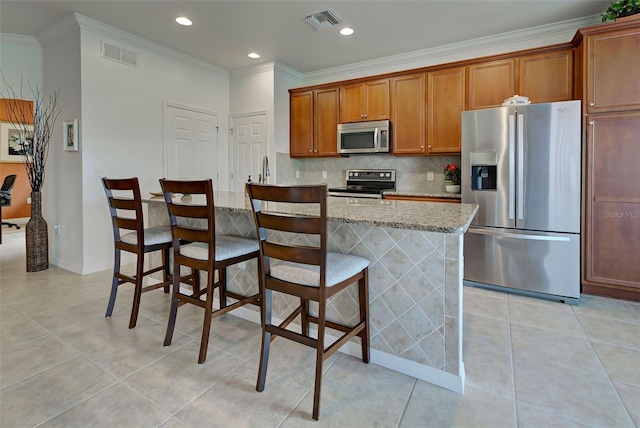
(411, 172)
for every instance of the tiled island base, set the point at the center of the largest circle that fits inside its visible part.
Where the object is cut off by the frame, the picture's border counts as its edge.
(415, 292)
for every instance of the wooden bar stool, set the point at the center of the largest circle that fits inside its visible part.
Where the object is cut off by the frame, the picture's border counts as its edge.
(308, 272)
(205, 251)
(126, 214)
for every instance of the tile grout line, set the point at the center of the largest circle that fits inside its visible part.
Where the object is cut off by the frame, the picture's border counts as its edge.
(615, 390)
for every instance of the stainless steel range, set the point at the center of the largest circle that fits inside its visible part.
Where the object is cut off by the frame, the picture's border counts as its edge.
(366, 183)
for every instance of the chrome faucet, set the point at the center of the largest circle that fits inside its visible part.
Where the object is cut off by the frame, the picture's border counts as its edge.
(265, 170)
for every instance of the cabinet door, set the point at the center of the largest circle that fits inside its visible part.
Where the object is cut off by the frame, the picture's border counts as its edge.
(301, 127)
(445, 103)
(351, 103)
(377, 100)
(547, 77)
(408, 115)
(613, 202)
(326, 122)
(490, 83)
(613, 69)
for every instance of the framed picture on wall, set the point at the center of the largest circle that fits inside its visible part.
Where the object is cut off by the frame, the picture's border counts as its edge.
(14, 142)
(70, 135)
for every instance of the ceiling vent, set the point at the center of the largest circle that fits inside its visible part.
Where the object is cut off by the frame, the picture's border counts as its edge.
(323, 20)
(118, 54)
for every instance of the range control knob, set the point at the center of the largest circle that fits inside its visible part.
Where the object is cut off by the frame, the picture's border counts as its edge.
(382, 174)
(351, 174)
(388, 174)
(355, 174)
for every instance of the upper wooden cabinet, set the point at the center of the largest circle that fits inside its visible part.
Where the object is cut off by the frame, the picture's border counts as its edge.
(301, 124)
(408, 115)
(612, 70)
(364, 101)
(314, 123)
(542, 77)
(325, 104)
(546, 77)
(490, 83)
(445, 103)
(19, 105)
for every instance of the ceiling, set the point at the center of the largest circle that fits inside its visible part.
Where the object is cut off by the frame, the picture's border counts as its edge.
(224, 32)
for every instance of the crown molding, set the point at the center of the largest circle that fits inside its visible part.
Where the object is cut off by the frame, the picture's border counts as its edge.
(65, 26)
(19, 40)
(287, 71)
(75, 20)
(543, 35)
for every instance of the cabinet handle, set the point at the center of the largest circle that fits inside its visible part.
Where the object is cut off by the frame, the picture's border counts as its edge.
(592, 104)
(429, 146)
(422, 147)
(591, 122)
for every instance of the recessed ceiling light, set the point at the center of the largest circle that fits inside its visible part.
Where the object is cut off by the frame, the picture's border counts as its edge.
(182, 20)
(254, 55)
(346, 31)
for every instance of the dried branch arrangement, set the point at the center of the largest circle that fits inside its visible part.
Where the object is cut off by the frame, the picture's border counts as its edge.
(36, 126)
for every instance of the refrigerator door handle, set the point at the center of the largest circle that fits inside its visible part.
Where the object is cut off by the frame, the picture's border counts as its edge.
(520, 129)
(512, 166)
(500, 234)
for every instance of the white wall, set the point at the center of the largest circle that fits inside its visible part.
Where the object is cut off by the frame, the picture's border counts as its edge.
(21, 61)
(122, 109)
(62, 190)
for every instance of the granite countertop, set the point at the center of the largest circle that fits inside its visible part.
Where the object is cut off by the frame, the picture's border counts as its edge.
(422, 193)
(411, 215)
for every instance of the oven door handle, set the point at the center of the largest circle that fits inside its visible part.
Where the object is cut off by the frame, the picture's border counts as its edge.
(356, 195)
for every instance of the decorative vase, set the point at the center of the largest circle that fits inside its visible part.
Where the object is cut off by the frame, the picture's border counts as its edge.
(36, 234)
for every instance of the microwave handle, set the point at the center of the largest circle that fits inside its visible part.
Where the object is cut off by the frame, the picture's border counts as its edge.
(376, 142)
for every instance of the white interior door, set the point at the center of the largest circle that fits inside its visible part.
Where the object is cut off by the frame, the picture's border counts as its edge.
(249, 145)
(191, 143)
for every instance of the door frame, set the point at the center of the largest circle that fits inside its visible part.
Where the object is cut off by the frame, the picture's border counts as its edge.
(232, 143)
(165, 143)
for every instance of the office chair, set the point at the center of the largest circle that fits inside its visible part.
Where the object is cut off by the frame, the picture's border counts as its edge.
(5, 196)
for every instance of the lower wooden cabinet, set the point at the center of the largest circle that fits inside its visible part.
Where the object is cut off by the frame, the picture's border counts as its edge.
(611, 238)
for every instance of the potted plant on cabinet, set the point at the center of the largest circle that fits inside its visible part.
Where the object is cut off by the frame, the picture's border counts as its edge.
(620, 9)
(35, 128)
(452, 178)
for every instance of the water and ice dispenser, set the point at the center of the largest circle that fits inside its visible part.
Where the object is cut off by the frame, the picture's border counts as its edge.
(484, 171)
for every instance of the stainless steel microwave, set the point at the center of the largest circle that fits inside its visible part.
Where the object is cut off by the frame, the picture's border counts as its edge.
(364, 137)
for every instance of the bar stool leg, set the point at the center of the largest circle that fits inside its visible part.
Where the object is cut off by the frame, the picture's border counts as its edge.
(114, 283)
(266, 339)
(137, 294)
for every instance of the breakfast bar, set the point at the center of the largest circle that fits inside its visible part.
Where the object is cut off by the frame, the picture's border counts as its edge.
(415, 276)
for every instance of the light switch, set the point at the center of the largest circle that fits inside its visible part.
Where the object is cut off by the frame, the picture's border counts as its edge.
(430, 176)
(297, 174)
(324, 174)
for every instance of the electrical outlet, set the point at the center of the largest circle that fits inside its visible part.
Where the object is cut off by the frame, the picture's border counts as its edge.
(324, 174)
(28, 200)
(297, 174)
(56, 228)
(430, 176)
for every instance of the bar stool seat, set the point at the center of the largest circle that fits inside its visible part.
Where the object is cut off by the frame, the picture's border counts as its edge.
(339, 268)
(227, 247)
(152, 236)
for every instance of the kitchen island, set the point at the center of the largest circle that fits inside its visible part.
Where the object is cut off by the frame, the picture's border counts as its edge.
(415, 276)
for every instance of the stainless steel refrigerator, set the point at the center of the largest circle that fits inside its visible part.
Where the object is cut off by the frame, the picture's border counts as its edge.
(522, 166)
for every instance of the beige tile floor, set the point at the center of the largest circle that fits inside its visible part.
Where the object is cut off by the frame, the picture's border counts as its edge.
(529, 363)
